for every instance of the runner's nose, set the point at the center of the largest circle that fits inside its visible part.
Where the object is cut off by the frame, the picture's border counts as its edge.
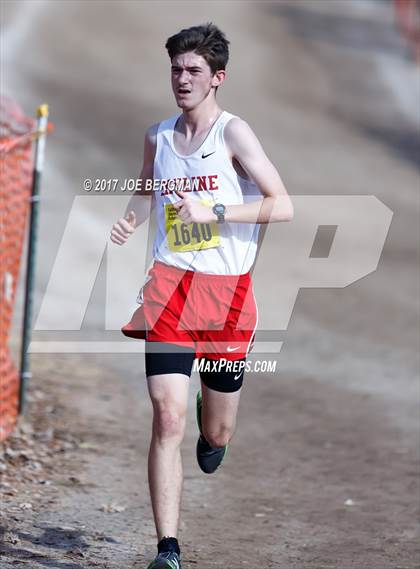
(183, 78)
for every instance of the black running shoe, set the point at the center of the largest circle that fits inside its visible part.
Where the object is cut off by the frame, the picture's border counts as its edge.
(166, 560)
(209, 459)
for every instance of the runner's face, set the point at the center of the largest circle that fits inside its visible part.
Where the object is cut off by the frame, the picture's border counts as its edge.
(192, 79)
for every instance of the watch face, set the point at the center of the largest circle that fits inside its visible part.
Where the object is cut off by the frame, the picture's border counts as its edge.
(219, 209)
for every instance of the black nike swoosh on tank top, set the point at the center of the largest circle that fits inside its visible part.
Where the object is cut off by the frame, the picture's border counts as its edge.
(207, 155)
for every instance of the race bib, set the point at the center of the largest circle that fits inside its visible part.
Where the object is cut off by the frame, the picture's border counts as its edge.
(189, 237)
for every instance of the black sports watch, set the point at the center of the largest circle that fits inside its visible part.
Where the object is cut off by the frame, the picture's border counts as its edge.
(219, 210)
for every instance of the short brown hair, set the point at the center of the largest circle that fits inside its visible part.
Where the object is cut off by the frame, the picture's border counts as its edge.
(205, 40)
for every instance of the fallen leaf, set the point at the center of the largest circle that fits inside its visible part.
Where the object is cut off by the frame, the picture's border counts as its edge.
(11, 538)
(87, 444)
(112, 508)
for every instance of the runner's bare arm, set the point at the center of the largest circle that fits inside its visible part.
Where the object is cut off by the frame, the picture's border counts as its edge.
(142, 201)
(245, 147)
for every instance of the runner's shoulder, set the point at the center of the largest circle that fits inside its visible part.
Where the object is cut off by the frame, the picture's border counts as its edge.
(151, 134)
(150, 146)
(235, 125)
(238, 134)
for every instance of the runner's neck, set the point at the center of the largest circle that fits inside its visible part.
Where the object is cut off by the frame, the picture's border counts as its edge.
(197, 121)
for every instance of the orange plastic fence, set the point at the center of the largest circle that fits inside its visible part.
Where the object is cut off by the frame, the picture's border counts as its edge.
(16, 166)
(408, 19)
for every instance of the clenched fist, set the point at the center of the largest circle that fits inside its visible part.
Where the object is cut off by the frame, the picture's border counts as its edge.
(123, 228)
(192, 211)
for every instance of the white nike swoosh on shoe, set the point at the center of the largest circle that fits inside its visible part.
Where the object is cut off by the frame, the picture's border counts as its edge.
(232, 349)
(173, 562)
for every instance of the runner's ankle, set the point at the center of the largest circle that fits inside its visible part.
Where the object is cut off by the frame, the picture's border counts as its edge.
(168, 544)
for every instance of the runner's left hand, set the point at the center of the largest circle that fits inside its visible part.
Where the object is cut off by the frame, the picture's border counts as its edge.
(192, 211)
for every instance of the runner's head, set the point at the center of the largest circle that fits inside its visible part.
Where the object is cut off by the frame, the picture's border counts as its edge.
(199, 56)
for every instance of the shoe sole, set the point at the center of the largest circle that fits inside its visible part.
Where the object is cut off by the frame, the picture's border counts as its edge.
(164, 565)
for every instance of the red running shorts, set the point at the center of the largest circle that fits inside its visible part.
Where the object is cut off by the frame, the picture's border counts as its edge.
(216, 315)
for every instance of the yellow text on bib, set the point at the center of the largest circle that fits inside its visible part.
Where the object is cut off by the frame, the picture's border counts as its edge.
(189, 237)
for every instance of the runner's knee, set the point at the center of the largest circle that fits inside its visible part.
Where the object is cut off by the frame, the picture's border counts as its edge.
(218, 437)
(168, 421)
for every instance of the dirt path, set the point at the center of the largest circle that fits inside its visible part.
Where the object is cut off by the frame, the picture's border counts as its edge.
(323, 470)
(319, 478)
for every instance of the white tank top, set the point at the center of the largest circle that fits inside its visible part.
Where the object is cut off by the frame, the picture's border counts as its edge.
(208, 175)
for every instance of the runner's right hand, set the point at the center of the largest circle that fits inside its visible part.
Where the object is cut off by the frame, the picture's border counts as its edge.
(123, 228)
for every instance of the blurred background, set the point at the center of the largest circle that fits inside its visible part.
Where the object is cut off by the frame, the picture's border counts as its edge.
(323, 468)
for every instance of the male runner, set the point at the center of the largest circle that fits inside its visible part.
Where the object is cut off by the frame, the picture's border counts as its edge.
(215, 186)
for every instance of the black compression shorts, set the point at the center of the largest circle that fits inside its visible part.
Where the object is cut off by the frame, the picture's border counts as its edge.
(162, 358)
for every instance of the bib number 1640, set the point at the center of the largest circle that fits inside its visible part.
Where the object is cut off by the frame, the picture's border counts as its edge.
(189, 237)
(185, 234)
